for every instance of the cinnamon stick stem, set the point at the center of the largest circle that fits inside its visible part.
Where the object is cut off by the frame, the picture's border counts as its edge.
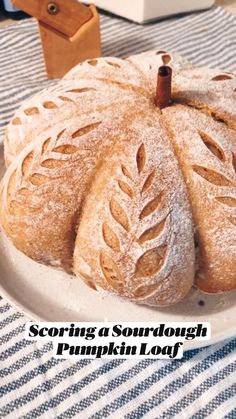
(163, 90)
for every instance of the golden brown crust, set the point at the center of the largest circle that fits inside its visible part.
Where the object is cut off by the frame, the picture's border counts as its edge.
(205, 150)
(57, 105)
(44, 187)
(91, 86)
(135, 235)
(93, 155)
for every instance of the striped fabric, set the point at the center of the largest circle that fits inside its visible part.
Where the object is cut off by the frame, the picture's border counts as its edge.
(33, 383)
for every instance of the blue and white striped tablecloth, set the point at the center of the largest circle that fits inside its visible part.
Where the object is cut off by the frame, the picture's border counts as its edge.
(33, 383)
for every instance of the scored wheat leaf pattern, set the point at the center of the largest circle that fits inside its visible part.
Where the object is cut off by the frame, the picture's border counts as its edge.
(212, 176)
(152, 260)
(49, 146)
(119, 214)
(152, 232)
(34, 110)
(110, 237)
(111, 272)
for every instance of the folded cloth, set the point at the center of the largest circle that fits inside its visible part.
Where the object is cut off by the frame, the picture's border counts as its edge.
(34, 384)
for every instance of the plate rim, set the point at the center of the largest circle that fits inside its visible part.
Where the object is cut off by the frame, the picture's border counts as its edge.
(33, 317)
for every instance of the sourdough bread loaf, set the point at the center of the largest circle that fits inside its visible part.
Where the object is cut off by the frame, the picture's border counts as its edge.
(131, 199)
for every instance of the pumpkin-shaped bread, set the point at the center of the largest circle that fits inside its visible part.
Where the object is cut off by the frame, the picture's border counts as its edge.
(137, 200)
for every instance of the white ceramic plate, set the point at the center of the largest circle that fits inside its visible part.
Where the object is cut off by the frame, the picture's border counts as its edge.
(43, 293)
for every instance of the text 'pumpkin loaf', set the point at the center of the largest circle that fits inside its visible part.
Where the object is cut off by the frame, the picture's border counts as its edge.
(131, 198)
